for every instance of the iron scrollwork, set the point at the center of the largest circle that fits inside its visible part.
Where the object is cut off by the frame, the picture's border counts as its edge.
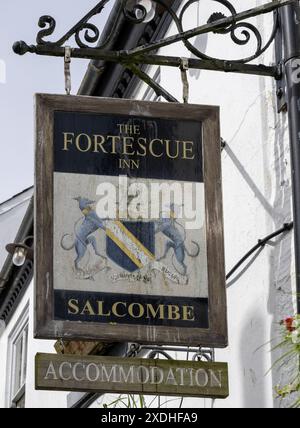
(85, 32)
(134, 12)
(242, 39)
(90, 41)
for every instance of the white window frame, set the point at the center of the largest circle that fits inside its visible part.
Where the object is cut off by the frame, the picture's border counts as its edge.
(19, 332)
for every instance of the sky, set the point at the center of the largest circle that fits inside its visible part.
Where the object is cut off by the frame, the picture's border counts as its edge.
(23, 76)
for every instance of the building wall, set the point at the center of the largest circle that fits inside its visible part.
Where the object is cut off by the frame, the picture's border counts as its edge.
(257, 201)
(34, 399)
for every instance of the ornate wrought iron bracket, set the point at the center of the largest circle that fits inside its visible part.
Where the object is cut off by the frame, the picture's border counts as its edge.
(89, 43)
(87, 34)
(197, 354)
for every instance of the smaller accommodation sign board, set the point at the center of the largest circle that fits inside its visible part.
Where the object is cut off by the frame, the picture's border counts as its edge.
(131, 376)
(129, 231)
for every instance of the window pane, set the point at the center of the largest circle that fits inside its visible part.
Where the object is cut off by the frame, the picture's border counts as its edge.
(24, 357)
(19, 367)
(17, 348)
(18, 351)
(21, 403)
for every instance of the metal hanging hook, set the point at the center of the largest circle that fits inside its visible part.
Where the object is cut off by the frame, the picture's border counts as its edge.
(68, 55)
(184, 66)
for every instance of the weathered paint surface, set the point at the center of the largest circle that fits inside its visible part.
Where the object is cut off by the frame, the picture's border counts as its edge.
(131, 376)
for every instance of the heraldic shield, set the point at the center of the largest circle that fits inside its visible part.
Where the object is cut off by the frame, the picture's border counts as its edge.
(131, 245)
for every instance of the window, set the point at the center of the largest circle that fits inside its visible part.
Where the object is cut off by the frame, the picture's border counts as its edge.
(17, 362)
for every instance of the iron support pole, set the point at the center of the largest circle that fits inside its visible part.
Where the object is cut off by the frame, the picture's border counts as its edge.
(291, 35)
(159, 90)
(124, 58)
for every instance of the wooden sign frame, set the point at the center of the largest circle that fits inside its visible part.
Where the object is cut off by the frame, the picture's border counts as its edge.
(46, 327)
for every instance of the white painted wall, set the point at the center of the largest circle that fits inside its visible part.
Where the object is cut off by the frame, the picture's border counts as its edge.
(34, 399)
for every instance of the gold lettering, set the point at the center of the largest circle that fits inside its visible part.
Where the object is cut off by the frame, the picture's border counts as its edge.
(173, 312)
(129, 164)
(188, 313)
(99, 144)
(73, 308)
(135, 310)
(78, 142)
(136, 130)
(140, 309)
(115, 309)
(151, 148)
(135, 164)
(168, 150)
(128, 144)
(124, 164)
(121, 126)
(114, 140)
(68, 140)
(152, 313)
(101, 310)
(87, 309)
(125, 128)
(187, 149)
(142, 145)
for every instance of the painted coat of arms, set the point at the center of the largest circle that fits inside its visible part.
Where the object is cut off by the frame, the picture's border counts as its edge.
(129, 245)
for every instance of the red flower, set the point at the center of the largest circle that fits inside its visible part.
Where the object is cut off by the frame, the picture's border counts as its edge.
(289, 324)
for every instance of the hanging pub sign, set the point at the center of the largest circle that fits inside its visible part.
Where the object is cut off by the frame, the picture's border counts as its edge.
(131, 376)
(129, 229)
